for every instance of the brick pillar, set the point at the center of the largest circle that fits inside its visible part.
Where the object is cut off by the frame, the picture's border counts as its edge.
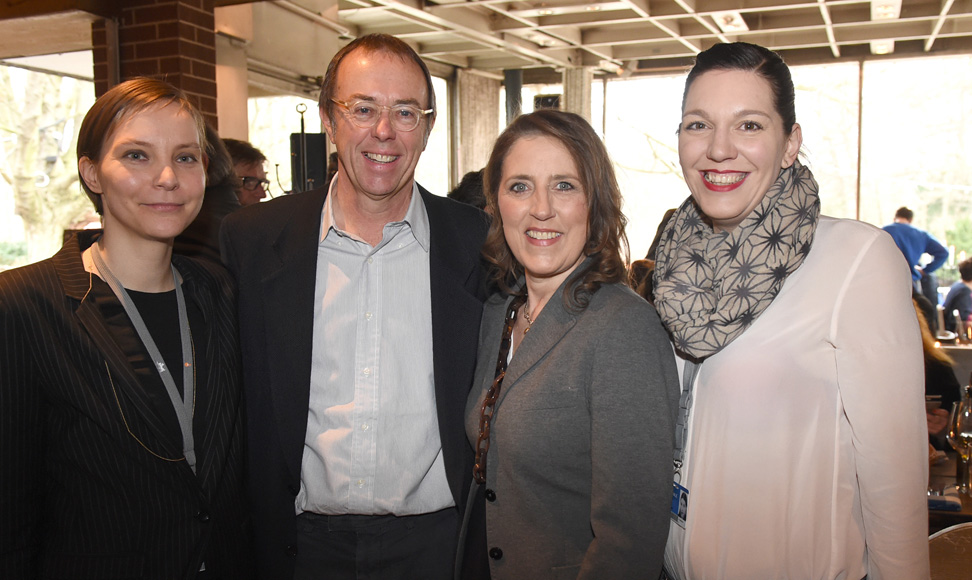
(169, 39)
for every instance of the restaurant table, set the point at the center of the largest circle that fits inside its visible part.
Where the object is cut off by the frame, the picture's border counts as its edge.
(961, 354)
(941, 475)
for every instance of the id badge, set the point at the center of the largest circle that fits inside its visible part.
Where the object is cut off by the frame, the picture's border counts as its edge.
(679, 503)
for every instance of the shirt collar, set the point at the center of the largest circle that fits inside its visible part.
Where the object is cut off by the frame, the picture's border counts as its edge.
(416, 217)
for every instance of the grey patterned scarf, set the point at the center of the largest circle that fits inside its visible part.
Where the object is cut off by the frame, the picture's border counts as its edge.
(711, 286)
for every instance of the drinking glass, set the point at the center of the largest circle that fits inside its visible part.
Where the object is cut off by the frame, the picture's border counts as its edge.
(960, 438)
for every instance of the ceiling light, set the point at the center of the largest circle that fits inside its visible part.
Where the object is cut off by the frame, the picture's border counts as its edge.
(610, 66)
(730, 21)
(882, 46)
(545, 9)
(885, 9)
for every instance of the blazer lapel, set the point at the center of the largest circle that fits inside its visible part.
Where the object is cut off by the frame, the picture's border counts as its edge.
(456, 314)
(211, 397)
(455, 305)
(289, 288)
(550, 327)
(124, 390)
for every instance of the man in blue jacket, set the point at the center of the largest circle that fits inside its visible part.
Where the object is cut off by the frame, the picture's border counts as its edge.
(914, 242)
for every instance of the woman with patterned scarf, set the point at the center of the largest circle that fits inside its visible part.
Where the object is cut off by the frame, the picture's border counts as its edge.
(801, 450)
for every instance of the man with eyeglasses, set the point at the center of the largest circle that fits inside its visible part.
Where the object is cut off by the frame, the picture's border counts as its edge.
(248, 162)
(359, 308)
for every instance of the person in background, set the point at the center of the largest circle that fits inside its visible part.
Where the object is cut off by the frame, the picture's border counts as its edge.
(248, 163)
(927, 310)
(121, 417)
(805, 443)
(359, 311)
(201, 238)
(941, 386)
(573, 407)
(929, 289)
(470, 190)
(959, 298)
(639, 278)
(640, 272)
(914, 243)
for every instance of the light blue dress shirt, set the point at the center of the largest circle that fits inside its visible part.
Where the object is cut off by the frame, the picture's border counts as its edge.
(372, 442)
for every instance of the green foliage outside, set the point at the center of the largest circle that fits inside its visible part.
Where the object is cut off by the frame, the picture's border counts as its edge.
(959, 238)
(12, 254)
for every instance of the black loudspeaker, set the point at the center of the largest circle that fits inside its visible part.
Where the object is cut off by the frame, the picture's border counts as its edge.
(308, 161)
(546, 102)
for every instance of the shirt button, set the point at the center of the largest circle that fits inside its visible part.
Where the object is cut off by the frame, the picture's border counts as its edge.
(366, 371)
(490, 495)
(495, 553)
(370, 260)
(367, 316)
(365, 427)
(360, 483)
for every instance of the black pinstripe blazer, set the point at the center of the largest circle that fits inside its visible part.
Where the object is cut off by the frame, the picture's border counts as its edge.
(80, 496)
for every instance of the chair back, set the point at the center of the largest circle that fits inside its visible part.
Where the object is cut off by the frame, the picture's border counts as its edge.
(950, 553)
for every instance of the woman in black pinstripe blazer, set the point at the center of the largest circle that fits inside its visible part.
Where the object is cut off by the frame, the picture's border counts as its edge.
(121, 436)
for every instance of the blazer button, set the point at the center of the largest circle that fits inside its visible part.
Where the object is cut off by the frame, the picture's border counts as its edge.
(495, 553)
(490, 495)
(291, 551)
(293, 489)
(203, 516)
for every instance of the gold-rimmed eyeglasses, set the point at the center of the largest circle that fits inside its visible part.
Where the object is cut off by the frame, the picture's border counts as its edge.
(365, 114)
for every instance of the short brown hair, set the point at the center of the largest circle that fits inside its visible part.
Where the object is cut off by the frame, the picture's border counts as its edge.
(965, 269)
(243, 152)
(120, 103)
(219, 171)
(606, 243)
(904, 213)
(377, 42)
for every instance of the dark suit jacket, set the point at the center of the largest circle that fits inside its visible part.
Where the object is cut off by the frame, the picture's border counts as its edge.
(201, 239)
(80, 495)
(271, 248)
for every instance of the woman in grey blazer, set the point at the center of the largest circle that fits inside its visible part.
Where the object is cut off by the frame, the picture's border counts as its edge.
(573, 407)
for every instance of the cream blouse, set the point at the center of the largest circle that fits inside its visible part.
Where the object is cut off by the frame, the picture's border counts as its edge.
(807, 450)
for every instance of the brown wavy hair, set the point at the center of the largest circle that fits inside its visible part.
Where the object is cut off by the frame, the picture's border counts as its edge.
(607, 244)
(929, 345)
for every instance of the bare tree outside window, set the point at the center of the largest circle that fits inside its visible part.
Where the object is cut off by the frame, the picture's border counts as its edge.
(39, 118)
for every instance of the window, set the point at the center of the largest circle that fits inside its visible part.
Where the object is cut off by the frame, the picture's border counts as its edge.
(917, 148)
(432, 171)
(40, 194)
(916, 144)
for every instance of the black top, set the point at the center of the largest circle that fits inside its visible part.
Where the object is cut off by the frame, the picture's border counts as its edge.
(940, 380)
(160, 312)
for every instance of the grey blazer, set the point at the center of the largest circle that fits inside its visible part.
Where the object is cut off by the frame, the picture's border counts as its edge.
(579, 469)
